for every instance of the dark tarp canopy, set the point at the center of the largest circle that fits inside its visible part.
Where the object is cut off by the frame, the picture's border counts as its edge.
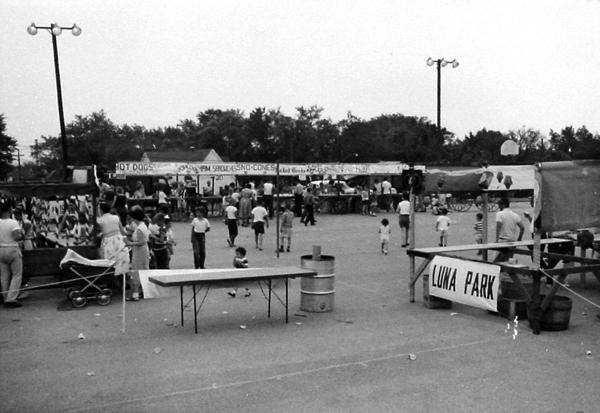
(499, 178)
(46, 190)
(570, 195)
(453, 183)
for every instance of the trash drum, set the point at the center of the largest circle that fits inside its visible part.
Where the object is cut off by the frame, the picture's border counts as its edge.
(431, 301)
(317, 293)
(557, 314)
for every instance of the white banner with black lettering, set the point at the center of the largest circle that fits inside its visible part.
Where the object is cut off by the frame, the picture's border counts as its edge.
(466, 282)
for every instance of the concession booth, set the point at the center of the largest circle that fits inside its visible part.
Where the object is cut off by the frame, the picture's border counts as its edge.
(566, 217)
(44, 259)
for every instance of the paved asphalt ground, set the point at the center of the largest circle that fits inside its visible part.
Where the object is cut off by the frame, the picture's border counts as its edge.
(354, 359)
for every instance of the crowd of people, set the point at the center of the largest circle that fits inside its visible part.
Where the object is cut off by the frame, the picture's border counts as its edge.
(134, 241)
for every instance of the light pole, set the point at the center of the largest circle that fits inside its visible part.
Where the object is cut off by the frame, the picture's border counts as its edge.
(440, 63)
(55, 30)
(19, 163)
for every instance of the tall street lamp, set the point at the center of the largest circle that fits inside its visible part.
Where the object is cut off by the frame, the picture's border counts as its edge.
(440, 63)
(55, 30)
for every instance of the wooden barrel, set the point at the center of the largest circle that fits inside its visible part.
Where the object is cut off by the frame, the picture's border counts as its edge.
(317, 293)
(557, 315)
(509, 290)
(431, 301)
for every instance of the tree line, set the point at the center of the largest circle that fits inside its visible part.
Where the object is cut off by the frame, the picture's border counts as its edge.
(307, 137)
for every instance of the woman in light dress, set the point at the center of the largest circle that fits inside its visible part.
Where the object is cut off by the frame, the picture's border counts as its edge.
(112, 247)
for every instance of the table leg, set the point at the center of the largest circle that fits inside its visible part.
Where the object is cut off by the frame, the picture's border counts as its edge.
(269, 311)
(582, 274)
(411, 270)
(195, 313)
(181, 297)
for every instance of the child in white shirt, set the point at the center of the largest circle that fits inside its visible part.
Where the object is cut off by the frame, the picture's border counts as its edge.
(384, 235)
(442, 225)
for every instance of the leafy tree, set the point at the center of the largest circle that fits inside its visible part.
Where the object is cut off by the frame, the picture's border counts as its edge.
(8, 145)
(484, 146)
(92, 140)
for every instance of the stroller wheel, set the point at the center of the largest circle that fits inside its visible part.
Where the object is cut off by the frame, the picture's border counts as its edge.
(77, 299)
(70, 292)
(104, 297)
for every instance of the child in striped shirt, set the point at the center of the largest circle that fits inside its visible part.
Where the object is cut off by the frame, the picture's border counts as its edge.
(479, 230)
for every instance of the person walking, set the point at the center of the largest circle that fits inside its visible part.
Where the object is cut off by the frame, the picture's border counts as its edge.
(200, 226)
(478, 228)
(442, 226)
(309, 205)
(386, 190)
(404, 218)
(260, 218)
(287, 219)
(268, 190)
(231, 220)
(11, 257)
(378, 194)
(298, 198)
(245, 208)
(384, 235)
(509, 228)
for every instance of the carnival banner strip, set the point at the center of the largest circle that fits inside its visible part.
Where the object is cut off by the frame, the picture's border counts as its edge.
(254, 168)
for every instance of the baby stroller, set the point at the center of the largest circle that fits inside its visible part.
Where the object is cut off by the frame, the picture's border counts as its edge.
(87, 278)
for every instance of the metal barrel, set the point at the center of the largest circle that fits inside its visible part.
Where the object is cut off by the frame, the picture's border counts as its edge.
(317, 293)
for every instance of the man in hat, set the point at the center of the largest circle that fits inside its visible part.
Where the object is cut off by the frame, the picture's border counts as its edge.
(11, 259)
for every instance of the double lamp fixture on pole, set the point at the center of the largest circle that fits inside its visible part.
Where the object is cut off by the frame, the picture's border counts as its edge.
(440, 63)
(55, 30)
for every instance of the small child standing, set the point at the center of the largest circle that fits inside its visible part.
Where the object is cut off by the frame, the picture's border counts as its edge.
(373, 202)
(287, 219)
(364, 196)
(479, 230)
(240, 261)
(442, 225)
(384, 235)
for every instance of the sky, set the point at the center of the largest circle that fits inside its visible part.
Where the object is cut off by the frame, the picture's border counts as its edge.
(522, 63)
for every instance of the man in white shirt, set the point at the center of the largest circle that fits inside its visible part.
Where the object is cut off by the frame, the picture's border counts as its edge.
(404, 218)
(509, 228)
(11, 259)
(298, 195)
(268, 197)
(260, 218)
(386, 189)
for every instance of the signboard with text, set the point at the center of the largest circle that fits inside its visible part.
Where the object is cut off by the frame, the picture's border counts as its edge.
(466, 282)
(253, 168)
